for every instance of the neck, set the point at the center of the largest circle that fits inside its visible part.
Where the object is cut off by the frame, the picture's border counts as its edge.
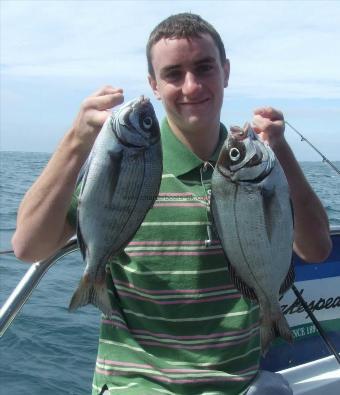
(201, 142)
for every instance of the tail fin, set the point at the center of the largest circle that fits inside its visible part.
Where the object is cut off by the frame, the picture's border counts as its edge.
(91, 293)
(274, 325)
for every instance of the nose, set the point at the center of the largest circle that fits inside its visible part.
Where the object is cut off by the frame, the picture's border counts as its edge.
(191, 84)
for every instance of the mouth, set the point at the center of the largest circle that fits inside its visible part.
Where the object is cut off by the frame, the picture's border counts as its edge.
(194, 102)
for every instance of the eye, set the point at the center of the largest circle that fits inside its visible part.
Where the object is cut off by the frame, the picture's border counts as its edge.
(172, 75)
(204, 68)
(147, 122)
(234, 154)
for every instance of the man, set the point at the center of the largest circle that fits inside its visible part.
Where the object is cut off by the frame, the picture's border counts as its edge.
(179, 325)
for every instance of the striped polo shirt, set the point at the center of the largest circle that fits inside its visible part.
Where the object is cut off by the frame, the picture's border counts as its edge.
(179, 324)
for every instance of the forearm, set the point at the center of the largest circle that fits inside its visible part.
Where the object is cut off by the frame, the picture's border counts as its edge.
(41, 221)
(311, 228)
(42, 226)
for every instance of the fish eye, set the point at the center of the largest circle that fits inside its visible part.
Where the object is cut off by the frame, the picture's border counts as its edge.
(147, 122)
(234, 154)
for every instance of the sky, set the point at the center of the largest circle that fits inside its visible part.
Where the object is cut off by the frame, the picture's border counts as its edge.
(53, 54)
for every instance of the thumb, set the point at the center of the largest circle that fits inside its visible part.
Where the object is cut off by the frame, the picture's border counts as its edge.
(99, 117)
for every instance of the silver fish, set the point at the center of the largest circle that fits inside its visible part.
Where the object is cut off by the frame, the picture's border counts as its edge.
(252, 213)
(119, 184)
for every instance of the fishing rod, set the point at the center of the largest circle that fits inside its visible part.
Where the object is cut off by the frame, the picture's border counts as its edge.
(298, 294)
(311, 315)
(303, 138)
(4, 252)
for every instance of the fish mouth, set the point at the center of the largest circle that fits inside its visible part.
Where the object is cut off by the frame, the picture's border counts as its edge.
(244, 158)
(138, 119)
(142, 100)
(239, 134)
(243, 148)
(131, 106)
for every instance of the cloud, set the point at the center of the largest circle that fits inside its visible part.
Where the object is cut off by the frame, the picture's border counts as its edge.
(283, 50)
(53, 53)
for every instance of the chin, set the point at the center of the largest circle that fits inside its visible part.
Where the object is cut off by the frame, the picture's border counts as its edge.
(200, 119)
(195, 123)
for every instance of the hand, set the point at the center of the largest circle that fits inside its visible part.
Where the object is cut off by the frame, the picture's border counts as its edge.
(269, 124)
(93, 113)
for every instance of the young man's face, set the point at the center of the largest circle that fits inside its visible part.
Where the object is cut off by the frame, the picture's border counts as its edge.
(190, 80)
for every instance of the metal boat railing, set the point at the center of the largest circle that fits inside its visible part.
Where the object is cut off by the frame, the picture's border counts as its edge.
(28, 283)
(24, 289)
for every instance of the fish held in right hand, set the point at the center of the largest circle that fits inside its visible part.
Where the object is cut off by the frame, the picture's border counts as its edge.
(119, 184)
(93, 113)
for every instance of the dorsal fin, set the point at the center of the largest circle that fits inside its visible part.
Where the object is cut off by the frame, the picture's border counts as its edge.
(249, 292)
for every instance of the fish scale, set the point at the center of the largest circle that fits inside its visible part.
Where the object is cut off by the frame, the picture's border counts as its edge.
(138, 182)
(241, 246)
(119, 183)
(252, 214)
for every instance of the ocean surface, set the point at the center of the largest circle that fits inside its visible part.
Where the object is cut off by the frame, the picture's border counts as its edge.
(48, 350)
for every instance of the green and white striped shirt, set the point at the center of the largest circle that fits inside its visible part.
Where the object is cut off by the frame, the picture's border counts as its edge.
(179, 324)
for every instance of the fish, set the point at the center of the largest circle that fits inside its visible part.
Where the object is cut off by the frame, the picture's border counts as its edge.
(253, 218)
(118, 184)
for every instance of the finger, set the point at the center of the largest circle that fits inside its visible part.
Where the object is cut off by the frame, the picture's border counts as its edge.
(258, 123)
(104, 102)
(269, 112)
(266, 125)
(106, 90)
(99, 118)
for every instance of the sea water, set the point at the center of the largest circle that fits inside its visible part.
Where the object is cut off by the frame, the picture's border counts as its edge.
(48, 350)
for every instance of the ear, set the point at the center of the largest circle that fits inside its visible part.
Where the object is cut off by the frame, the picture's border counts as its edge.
(226, 69)
(154, 87)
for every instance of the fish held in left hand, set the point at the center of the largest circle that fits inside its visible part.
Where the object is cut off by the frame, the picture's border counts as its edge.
(118, 185)
(252, 214)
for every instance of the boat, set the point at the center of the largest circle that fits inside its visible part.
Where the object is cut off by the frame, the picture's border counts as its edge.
(312, 363)
(308, 364)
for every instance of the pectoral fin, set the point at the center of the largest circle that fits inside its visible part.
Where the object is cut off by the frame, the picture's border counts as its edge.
(115, 164)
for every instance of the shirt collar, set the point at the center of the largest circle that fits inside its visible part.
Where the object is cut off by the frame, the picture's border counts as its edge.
(178, 159)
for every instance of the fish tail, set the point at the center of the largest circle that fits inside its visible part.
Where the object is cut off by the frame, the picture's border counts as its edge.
(273, 324)
(91, 293)
(281, 328)
(267, 335)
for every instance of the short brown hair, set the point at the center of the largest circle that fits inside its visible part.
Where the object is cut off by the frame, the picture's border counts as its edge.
(184, 25)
